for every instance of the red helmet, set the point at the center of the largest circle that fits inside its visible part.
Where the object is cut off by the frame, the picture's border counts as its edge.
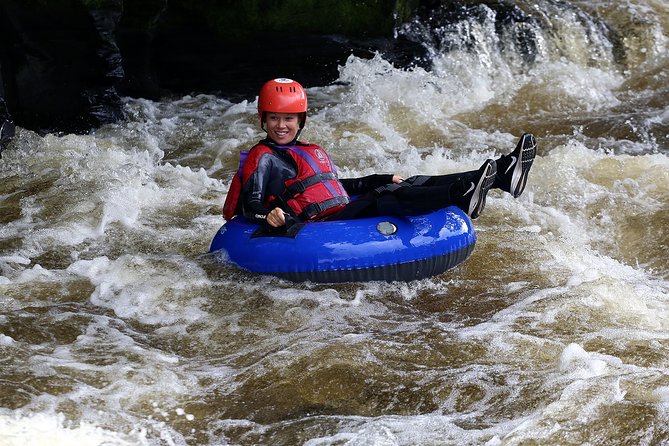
(282, 95)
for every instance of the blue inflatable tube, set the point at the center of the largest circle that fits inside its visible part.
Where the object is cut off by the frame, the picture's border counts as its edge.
(381, 248)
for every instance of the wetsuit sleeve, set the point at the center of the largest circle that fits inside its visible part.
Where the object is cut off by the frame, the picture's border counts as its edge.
(255, 189)
(362, 185)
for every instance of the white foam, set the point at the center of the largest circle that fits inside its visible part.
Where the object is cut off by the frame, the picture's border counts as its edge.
(55, 430)
(420, 429)
(15, 259)
(35, 274)
(6, 340)
(663, 394)
(131, 225)
(577, 361)
(144, 288)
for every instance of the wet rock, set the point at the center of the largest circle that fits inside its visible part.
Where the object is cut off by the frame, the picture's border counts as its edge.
(231, 48)
(60, 64)
(135, 36)
(65, 63)
(6, 124)
(7, 130)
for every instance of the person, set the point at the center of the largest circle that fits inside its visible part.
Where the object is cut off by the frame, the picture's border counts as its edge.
(284, 180)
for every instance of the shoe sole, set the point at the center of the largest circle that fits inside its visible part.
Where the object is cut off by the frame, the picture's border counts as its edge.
(485, 182)
(527, 150)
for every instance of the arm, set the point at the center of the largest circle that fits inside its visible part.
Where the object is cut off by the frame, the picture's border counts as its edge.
(266, 180)
(254, 190)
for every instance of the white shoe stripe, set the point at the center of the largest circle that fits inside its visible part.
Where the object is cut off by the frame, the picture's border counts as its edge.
(513, 163)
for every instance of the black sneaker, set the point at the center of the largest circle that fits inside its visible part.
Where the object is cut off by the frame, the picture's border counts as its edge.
(473, 199)
(512, 169)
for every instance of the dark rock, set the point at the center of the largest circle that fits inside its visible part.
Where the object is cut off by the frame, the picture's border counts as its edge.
(135, 36)
(60, 64)
(6, 123)
(64, 63)
(6, 127)
(230, 48)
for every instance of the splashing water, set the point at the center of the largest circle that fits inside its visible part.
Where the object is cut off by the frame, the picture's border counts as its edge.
(118, 328)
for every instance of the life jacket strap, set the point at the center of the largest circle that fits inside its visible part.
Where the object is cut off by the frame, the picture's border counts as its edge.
(417, 180)
(392, 187)
(300, 186)
(316, 208)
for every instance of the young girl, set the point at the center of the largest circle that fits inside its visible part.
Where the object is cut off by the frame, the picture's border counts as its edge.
(283, 177)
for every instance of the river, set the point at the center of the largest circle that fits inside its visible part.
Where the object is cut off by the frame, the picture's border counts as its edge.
(118, 328)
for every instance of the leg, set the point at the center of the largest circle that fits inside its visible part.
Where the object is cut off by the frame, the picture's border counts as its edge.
(472, 200)
(436, 180)
(424, 194)
(362, 207)
(513, 169)
(466, 190)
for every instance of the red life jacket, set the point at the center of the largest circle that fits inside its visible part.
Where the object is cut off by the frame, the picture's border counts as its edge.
(315, 192)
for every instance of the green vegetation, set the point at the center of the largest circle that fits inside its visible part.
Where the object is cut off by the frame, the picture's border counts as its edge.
(234, 19)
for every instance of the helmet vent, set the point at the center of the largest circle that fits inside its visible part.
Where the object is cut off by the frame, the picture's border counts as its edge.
(281, 95)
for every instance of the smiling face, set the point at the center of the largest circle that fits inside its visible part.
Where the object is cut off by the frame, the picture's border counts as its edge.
(282, 127)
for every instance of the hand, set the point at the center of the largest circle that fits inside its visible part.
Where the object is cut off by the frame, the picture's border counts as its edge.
(397, 179)
(276, 218)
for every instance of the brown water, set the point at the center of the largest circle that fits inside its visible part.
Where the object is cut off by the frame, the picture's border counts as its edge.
(117, 327)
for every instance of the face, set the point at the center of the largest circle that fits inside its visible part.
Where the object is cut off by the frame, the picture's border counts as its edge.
(282, 127)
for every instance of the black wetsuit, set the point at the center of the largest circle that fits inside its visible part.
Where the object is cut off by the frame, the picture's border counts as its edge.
(373, 194)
